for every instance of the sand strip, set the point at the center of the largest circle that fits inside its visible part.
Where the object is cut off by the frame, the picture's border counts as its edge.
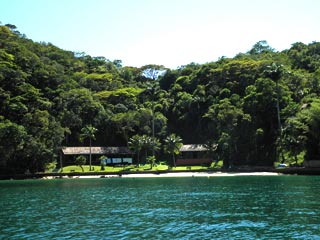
(199, 174)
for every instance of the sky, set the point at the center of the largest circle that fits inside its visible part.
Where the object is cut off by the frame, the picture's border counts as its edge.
(164, 32)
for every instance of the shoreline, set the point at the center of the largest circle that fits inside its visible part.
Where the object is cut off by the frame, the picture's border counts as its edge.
(164, 174)
(169, 175)
(200, 174)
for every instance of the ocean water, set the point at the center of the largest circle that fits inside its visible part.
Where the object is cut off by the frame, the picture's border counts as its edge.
(241, 207)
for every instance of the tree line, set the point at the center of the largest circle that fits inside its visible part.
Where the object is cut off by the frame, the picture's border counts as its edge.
(258, 107)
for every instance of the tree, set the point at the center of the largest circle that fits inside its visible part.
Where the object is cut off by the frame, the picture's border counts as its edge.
(77, 107)
(117, 63)
(151, 160)
(260, 103)
(224, 144)
(310, 116)
(230, 120)
(150, 143)
(102, 162)
(260, 47)
(274, 71)
(172, 146)
(135, 144)
(88, 132)
(294, 137)
(153, 91)
(12, 142)
(80, 161)
(152, 71)
(125, 123)
(211, 147)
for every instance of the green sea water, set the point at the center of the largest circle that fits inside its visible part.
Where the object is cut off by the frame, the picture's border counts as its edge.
(242, 207)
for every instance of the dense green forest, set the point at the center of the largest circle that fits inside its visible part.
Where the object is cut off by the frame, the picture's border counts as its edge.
(259, 107)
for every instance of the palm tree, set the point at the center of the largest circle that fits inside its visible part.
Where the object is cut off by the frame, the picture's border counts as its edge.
(80, 161)
(155, 145)
(211, 147)
(150, 143)
(154, 92)
(153, 89)
(151, 160)
(88, 132)
(173, 143)
(135, 144)
(274, 72)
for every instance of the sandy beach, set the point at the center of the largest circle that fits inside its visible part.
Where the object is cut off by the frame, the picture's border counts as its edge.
(178, 174)
(199, 174)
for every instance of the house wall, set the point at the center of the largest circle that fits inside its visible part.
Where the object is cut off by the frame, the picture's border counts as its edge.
(119, 160)
(95, 159)
(190, 158)
(193, 161)
(193, 155)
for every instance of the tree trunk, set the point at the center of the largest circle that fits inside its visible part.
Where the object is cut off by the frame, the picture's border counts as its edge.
(279, 125)
(90, 155)
(174, 160)
(146, 155)
(152, 128)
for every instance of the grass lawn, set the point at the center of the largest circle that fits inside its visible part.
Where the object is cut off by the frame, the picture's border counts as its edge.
(146, 167)
(134, 168)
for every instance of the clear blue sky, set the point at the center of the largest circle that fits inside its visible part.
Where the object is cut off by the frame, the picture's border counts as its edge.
(167, 32)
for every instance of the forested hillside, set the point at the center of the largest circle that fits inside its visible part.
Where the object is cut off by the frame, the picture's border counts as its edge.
(259, 107)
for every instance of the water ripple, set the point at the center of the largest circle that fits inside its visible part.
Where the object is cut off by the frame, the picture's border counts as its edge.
(186, 208)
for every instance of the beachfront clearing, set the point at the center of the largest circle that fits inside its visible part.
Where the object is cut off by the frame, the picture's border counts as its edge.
(134, 168)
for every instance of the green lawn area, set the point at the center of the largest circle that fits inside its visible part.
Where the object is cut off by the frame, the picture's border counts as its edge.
(146, 167)
(143, 168)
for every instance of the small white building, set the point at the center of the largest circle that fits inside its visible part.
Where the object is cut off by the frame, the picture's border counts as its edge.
(115, 155)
